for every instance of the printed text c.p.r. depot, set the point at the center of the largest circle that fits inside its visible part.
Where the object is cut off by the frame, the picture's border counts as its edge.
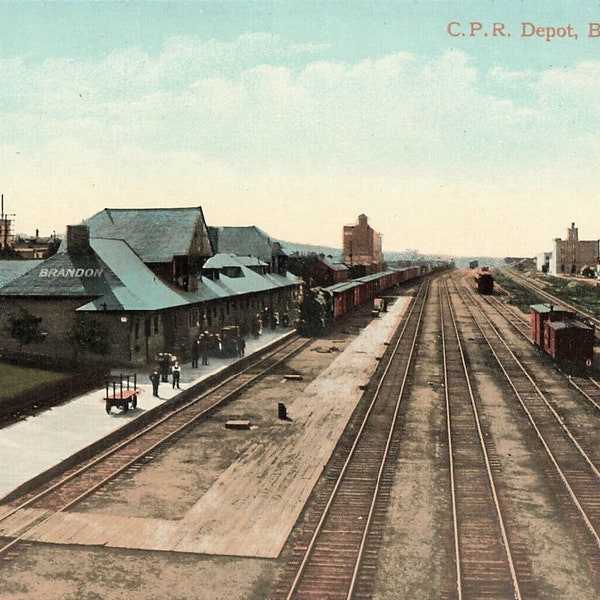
(527, 29)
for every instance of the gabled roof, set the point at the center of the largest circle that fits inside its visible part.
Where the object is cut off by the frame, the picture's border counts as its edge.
(245, 240)
(155, 234)
(333, 265)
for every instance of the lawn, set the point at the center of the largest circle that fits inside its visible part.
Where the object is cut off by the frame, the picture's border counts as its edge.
(15, 379)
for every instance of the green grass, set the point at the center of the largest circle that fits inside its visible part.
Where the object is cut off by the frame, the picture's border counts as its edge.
(15, 379)
(518, 296)
(578, 293)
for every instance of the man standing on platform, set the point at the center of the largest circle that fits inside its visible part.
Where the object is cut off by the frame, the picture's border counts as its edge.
(204, 347)
(176, 373)
(155, 379)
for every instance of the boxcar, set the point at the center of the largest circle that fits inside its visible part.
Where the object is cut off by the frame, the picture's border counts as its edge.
(570, 341)
(540, 314)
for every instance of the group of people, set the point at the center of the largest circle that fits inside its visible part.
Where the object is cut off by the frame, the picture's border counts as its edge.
(266, 319)
(202, 347)
(156, 377)
(207, 344)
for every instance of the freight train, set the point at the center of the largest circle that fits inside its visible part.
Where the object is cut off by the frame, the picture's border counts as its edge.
(562, 335)
(322, 306)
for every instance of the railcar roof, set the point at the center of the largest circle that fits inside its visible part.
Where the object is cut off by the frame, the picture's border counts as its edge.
(568, 324)
(546, 308)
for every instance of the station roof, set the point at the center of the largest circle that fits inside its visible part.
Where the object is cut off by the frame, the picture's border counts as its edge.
(111, 275)
(247, 282)
(245, 240)
(155, 234)
(11, 269)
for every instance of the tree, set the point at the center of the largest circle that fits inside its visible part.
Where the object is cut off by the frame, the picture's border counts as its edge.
(89, 335)
(26, 328)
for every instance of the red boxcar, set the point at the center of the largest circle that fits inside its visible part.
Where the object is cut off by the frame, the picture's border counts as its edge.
(569, 341)
(542, 313)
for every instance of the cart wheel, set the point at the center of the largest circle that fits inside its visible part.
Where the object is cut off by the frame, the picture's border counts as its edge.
(108, 407)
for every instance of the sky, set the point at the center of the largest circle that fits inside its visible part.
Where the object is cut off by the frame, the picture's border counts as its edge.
(459, 128)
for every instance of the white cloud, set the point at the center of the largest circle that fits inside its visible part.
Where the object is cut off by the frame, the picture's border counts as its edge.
(241, 120)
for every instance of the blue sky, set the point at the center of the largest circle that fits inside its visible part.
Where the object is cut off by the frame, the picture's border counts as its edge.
(298, 116)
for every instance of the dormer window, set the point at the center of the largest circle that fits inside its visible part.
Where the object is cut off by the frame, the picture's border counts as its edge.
(232, 272)
(212, 274)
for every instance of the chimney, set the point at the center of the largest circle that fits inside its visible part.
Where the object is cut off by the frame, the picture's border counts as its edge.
(78, 240)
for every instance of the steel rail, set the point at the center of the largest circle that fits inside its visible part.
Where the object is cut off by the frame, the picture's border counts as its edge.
(525, 333)
(457, 562)
(553, 459)
(500, 520)
(293, 588)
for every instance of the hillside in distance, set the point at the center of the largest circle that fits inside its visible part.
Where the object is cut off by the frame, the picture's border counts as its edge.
(297, 249)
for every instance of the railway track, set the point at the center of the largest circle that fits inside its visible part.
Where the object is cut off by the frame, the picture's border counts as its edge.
(569, 460)
(335, 555)
(523, 281)
(586, 384)
(489, 562)
(30, 511)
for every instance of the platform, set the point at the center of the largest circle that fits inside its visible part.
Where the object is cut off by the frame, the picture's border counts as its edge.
(38, 443)
(252, 507)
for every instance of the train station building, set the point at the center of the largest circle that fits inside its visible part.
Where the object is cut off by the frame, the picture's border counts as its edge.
(133, 283)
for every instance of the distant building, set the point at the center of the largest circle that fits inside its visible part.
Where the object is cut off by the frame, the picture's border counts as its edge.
(572, 256)
(323, 271)
(362, 248)
(6, 234)
(34, 247)
(542, 262)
